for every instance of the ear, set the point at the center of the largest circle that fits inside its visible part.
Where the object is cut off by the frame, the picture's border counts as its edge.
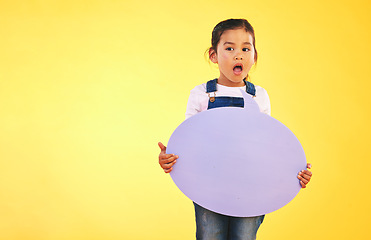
(212, 55)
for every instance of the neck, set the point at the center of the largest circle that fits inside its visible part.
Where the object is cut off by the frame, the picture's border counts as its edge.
(228, 83)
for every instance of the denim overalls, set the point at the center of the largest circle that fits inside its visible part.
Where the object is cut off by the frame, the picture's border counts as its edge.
(215, 226)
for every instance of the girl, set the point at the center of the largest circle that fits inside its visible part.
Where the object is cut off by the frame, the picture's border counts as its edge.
(233, 49)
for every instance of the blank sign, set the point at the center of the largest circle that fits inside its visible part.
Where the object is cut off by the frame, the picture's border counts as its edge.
(237, 161)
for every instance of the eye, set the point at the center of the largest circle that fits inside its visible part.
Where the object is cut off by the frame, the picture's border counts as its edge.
(245, 49)
(229, 49)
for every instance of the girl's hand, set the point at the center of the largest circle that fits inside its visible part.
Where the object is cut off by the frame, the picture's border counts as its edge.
(304, 176)
(166, 161)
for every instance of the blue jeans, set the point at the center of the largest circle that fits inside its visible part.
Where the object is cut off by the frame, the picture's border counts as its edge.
(215, 226)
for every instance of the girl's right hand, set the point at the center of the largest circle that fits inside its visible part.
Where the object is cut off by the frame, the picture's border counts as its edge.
(166, 161)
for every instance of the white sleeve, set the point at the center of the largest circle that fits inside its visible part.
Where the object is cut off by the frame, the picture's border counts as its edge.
(262, 99)
(193, 105)
(266, 104)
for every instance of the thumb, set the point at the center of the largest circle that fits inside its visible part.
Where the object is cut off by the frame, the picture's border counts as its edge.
(163, 148)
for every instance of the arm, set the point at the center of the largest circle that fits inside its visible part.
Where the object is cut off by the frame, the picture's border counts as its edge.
(166, 161)
(305, 175)
(262, 99)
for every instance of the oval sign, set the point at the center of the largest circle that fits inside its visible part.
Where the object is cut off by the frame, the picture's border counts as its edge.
(237, 161)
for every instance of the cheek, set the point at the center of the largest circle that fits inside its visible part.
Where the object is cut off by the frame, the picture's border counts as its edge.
(224, 56)
(252, 57)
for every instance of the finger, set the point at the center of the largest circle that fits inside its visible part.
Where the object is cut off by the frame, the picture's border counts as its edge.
(162, 147)
(168, 165)
(302, 179)
(164, 156)
(302, 185)
(309, 165)
(306, 177)
(168, 170)
(169, 158)
(306, 174)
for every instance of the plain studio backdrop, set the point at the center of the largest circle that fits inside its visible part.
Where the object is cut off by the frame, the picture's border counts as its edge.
(88, 88)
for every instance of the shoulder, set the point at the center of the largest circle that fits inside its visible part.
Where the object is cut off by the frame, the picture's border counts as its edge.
(197, 101)
(199, 89)
(262, 99)
(198, 93)
(260, 91)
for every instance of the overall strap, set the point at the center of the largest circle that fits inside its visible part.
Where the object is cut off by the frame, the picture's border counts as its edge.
(250, 88)
(211, 86)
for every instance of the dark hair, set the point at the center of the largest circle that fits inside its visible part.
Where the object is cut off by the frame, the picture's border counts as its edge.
(229, 24)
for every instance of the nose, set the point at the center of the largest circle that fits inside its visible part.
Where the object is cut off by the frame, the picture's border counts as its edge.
(238, 58)
(238, 55)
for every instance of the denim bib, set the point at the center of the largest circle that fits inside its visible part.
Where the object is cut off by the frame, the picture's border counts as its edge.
(215, 102)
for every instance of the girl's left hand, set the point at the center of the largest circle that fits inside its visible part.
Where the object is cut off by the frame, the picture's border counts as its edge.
(304, 176)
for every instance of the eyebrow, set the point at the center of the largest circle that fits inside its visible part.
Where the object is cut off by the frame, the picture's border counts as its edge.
(245, 43)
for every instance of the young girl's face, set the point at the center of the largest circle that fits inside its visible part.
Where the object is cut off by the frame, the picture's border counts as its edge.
(235, 57)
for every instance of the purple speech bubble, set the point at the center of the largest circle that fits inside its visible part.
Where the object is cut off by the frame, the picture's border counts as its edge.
(237, 161)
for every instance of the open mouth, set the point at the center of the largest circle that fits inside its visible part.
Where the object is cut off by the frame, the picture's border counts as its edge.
(237, 69)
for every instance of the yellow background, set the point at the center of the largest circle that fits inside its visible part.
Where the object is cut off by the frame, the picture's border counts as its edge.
(88, 88)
